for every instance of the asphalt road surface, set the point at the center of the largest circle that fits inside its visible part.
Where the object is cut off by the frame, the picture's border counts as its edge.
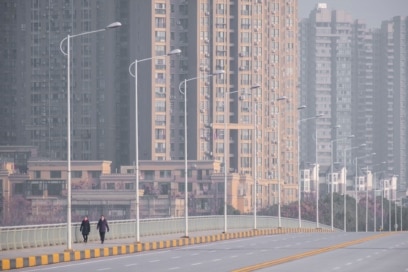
(287, 252)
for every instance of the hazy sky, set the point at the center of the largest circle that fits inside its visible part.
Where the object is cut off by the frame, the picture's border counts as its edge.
(373, 12)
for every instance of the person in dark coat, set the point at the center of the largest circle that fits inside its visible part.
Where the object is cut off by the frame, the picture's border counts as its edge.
(85, 228)
(103, 227)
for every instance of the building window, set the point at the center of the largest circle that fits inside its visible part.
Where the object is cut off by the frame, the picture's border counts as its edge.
(55, 174)
(246, 37)
(245, 162)
(160, 134)
(160, 148)
(160, 50)
(160, 36)
(160, 92)
(246, 10)
(245, 23)
(37, 174)
(160, 78)
(160, 8)
(160, 120)
(95, 174)
(165, 173)
(160, 106)
(160, 22)
(77, 174)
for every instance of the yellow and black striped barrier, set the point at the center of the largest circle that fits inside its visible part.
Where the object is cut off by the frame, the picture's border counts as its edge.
(22, 262)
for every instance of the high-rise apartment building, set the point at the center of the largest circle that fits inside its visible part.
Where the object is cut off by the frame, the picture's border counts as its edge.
(391, 87)
(34, 77)
(327, 63)
(253, 42)
(362, 95)
(356, 77)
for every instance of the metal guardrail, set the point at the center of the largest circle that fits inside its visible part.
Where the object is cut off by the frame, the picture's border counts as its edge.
(19, 237)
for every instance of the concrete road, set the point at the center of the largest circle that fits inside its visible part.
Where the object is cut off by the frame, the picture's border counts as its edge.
(287, 252)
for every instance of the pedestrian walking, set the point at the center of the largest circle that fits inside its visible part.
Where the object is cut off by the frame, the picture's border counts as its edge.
(85, 228)
(103, 227)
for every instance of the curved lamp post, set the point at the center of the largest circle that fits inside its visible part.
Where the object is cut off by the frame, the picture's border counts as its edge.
(317, 177)
(331, 175)
(299, 175)
(135, 63)
(255, 163)
(225, 153)
(68, 54)
(282, 98)
(375, 194)
(184, 92)
(345, 183)
(356, 183)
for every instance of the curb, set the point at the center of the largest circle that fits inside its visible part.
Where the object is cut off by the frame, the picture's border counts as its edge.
(31, 261)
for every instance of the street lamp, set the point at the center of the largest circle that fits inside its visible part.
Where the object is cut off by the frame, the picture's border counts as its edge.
(184, 92)
(375, 196)
(68, 54)
(225, 152)
(317, 178)
(345, 182)
(299, 175)
(135, 63)
(298, 163)
(278, 161)
(255, 163)
(331, 174)
(356, 183)
(401, 213)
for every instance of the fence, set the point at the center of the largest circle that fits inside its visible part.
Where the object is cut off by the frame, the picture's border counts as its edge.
(19, 237)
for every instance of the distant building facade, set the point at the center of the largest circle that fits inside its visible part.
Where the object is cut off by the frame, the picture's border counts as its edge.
(255, 43)
(41, 193)
(356, 78)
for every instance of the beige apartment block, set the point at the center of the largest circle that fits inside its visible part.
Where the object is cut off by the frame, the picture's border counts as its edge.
(95, 190)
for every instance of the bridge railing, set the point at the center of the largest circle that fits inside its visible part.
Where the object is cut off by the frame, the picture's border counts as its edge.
(18, 237)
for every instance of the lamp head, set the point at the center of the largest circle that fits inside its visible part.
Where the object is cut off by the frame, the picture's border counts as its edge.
(281, 98)
(174, 52)
(302, 107)
(218, 72)
(114, 25)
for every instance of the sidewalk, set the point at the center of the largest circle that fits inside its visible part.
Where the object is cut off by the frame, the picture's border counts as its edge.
(12, 259)
(29, 257)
